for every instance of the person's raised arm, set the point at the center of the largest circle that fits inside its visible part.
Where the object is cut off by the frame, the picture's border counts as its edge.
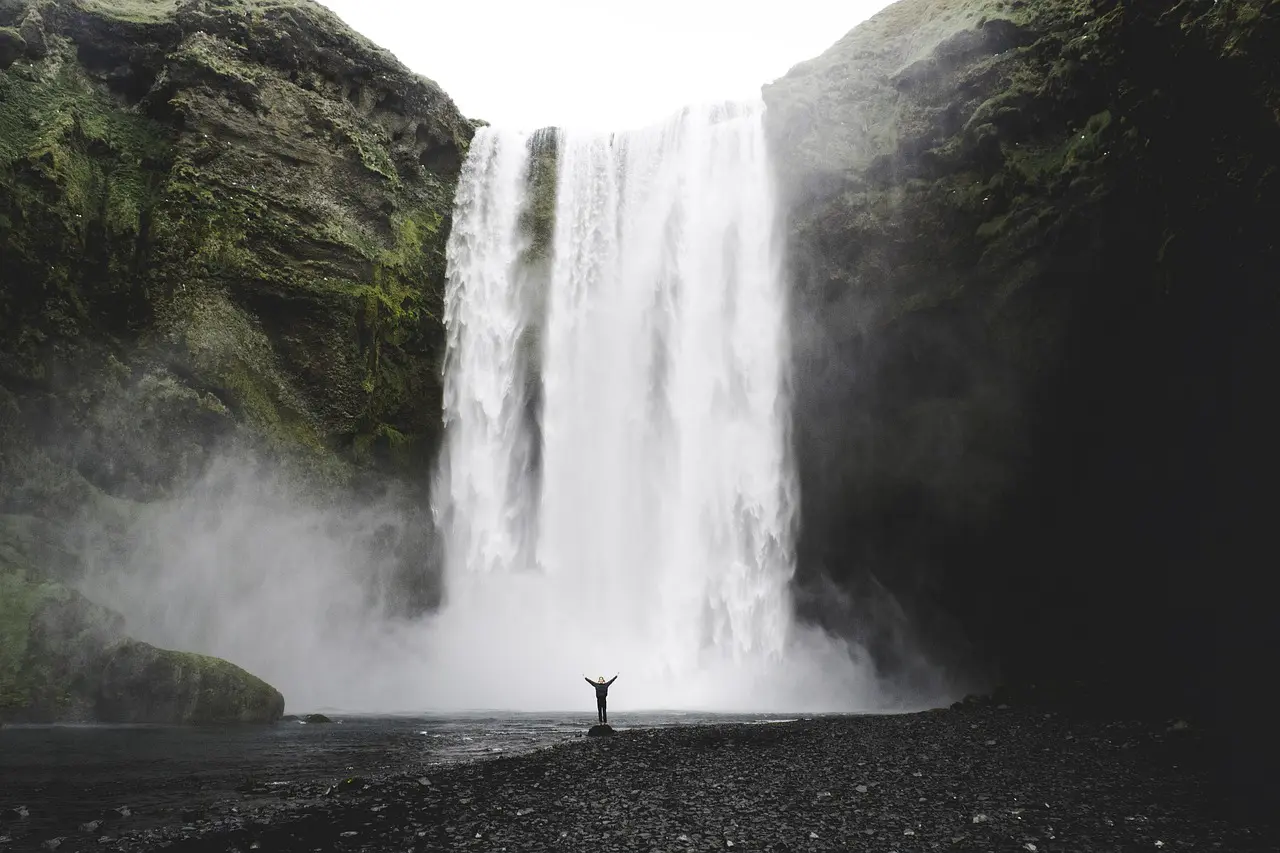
(589, 681)
(611, 680)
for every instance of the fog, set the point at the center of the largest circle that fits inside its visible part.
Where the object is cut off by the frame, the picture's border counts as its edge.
(248, 567)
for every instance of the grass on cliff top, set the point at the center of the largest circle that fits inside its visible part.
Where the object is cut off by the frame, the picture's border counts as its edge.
(158, 11)
(134, 11)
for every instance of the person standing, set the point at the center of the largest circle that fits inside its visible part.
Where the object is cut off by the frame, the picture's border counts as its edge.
(602, 695)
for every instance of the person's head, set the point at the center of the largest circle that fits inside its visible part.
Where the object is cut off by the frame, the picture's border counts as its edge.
(600, 679)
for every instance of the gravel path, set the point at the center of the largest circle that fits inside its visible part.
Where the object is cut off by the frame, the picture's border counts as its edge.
(974, 778)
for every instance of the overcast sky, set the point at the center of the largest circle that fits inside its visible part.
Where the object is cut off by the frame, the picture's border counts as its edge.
(600, 63)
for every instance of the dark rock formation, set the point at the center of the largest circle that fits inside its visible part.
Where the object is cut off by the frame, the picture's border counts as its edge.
(601, 731)
(65, 659)
(316, 719)
(1035, 321)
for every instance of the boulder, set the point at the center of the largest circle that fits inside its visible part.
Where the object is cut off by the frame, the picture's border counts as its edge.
(65, 659)
(601, 731)
(12, 47)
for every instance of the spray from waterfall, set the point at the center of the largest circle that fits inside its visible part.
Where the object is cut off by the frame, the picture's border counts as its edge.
(648, 525)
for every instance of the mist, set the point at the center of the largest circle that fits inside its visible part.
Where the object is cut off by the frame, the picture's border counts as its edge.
(246, 566)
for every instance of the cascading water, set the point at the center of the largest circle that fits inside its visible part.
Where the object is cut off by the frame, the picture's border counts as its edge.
(656, 538)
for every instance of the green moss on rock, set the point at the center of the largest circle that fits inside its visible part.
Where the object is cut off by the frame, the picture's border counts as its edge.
(65, 659)
(143, 684)
(245, 197)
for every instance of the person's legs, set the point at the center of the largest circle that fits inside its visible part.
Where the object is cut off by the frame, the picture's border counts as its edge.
(604, 710)
(600, 709)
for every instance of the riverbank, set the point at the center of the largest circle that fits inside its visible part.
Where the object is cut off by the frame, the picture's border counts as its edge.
(976, 778)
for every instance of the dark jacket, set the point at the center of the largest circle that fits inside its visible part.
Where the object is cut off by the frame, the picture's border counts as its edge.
(602, 689)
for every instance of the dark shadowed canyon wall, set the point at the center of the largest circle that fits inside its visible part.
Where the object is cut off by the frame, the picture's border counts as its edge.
(1035, 316)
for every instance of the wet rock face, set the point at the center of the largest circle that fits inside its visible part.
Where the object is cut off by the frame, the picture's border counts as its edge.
(247, 199)
(1033, 307)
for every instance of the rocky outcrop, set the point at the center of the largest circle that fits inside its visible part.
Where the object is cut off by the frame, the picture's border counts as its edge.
(65, 659)
(1035, 315)
(219, 219)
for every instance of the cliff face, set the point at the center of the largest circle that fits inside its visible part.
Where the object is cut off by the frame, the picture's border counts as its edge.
(1035, 315)
(232, 214)
(222, 224)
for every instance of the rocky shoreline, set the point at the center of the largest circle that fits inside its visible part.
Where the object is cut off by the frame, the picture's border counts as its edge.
(977, 777)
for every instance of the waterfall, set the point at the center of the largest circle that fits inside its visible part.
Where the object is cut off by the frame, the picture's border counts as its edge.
(486, 454)
(647, 526)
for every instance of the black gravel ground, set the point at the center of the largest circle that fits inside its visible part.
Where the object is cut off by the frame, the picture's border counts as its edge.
(974, 778)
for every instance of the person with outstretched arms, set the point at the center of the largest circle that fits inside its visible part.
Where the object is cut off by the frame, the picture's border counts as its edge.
(602, 695)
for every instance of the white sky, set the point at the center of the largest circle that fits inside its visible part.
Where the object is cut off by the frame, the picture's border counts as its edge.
(600, 63)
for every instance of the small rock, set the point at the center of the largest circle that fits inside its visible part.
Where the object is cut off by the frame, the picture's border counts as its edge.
(125, 811)
(991, 743)
(980, 818)
(861, 789)
(349, 833)
(52, 843)
(91, 826)
(1029, 847)
(908, 832)
(523, 812)
(813, 835)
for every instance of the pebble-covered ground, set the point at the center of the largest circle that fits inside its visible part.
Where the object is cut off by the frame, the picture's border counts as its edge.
(975, 778)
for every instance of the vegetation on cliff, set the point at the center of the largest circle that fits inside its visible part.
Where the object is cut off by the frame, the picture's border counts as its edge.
(222, 223)
(241, 206)
(1035, 315)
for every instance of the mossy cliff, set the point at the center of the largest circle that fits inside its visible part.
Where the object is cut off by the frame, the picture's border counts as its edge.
(1035, 304)
(233, 211)
(222, 225)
